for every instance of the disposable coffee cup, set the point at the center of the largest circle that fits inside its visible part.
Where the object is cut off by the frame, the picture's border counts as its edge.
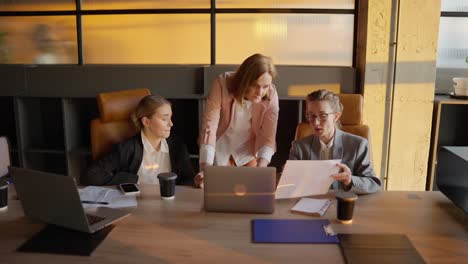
(460, 86)
(345, 207)
(460, 82)
(3, 197)
(167, 185)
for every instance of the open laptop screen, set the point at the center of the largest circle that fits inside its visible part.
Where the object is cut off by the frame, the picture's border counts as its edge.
(452, 175)
(4, 156)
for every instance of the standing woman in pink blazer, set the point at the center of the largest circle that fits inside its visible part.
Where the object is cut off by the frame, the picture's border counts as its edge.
(240, 118)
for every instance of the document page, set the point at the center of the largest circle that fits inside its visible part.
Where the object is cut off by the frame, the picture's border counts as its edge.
(114, 198)
(306, 177)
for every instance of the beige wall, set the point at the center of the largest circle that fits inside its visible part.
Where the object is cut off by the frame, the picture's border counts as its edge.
(376, 68)
(409, 102)
(413, 94)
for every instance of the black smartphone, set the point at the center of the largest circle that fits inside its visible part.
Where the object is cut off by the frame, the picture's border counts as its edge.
(129, 188)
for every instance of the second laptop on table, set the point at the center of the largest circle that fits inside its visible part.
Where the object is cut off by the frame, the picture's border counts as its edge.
(239, 189)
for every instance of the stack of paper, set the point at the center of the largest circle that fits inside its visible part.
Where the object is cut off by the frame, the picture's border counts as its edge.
(310, 206)
(113, 197)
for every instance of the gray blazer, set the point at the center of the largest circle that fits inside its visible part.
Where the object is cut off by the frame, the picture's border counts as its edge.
(351, 149)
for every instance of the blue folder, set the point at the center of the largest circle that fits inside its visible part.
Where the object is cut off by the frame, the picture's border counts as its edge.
(291, 231)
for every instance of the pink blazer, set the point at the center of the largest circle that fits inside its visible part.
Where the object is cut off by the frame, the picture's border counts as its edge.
(219, 112)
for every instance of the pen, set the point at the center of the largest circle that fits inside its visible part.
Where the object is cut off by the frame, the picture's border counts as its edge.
(93, 202)
(5, 182)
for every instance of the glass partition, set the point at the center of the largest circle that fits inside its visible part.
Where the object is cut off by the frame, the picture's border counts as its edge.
(141, 39)
(454, 6)
(36, 5)
(38, 40)
(143, 4)
(291, 39)
(453, 43)
(332, 4)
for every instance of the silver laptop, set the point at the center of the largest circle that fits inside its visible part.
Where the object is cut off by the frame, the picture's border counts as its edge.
(239, 189)
(54, 199)
(4, 156)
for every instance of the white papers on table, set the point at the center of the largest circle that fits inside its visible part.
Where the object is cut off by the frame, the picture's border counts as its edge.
(113, 197)
(310, 206)
(306, 177)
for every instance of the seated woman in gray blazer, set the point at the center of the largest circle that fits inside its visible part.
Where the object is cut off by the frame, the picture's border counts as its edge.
(323, 111)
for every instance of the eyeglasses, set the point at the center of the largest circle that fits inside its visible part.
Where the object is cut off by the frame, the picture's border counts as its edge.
(322, 117)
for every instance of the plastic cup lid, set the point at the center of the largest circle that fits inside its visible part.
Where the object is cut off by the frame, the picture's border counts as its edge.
(167, 176)
(346, 196)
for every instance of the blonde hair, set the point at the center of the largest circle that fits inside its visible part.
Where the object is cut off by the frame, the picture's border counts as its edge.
(325, 95)
(146, 108)
(248, 72)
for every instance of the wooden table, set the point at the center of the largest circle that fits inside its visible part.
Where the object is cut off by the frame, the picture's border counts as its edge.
(179, 232)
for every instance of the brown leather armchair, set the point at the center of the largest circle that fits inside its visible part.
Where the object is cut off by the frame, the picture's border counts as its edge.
(351, 119)
(114, 124)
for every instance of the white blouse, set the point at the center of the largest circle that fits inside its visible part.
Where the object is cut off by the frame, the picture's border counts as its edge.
(154, 162)
(326, 150)
(236, 141)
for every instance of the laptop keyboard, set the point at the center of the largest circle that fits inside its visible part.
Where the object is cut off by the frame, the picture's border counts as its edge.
(92, 219)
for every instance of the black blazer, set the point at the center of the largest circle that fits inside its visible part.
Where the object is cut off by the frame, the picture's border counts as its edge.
(122, 163)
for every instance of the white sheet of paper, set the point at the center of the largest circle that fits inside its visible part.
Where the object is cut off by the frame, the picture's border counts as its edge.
(112, 196)
(306, 177)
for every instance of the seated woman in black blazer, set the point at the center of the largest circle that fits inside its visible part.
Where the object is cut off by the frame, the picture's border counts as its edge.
(141, 158)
